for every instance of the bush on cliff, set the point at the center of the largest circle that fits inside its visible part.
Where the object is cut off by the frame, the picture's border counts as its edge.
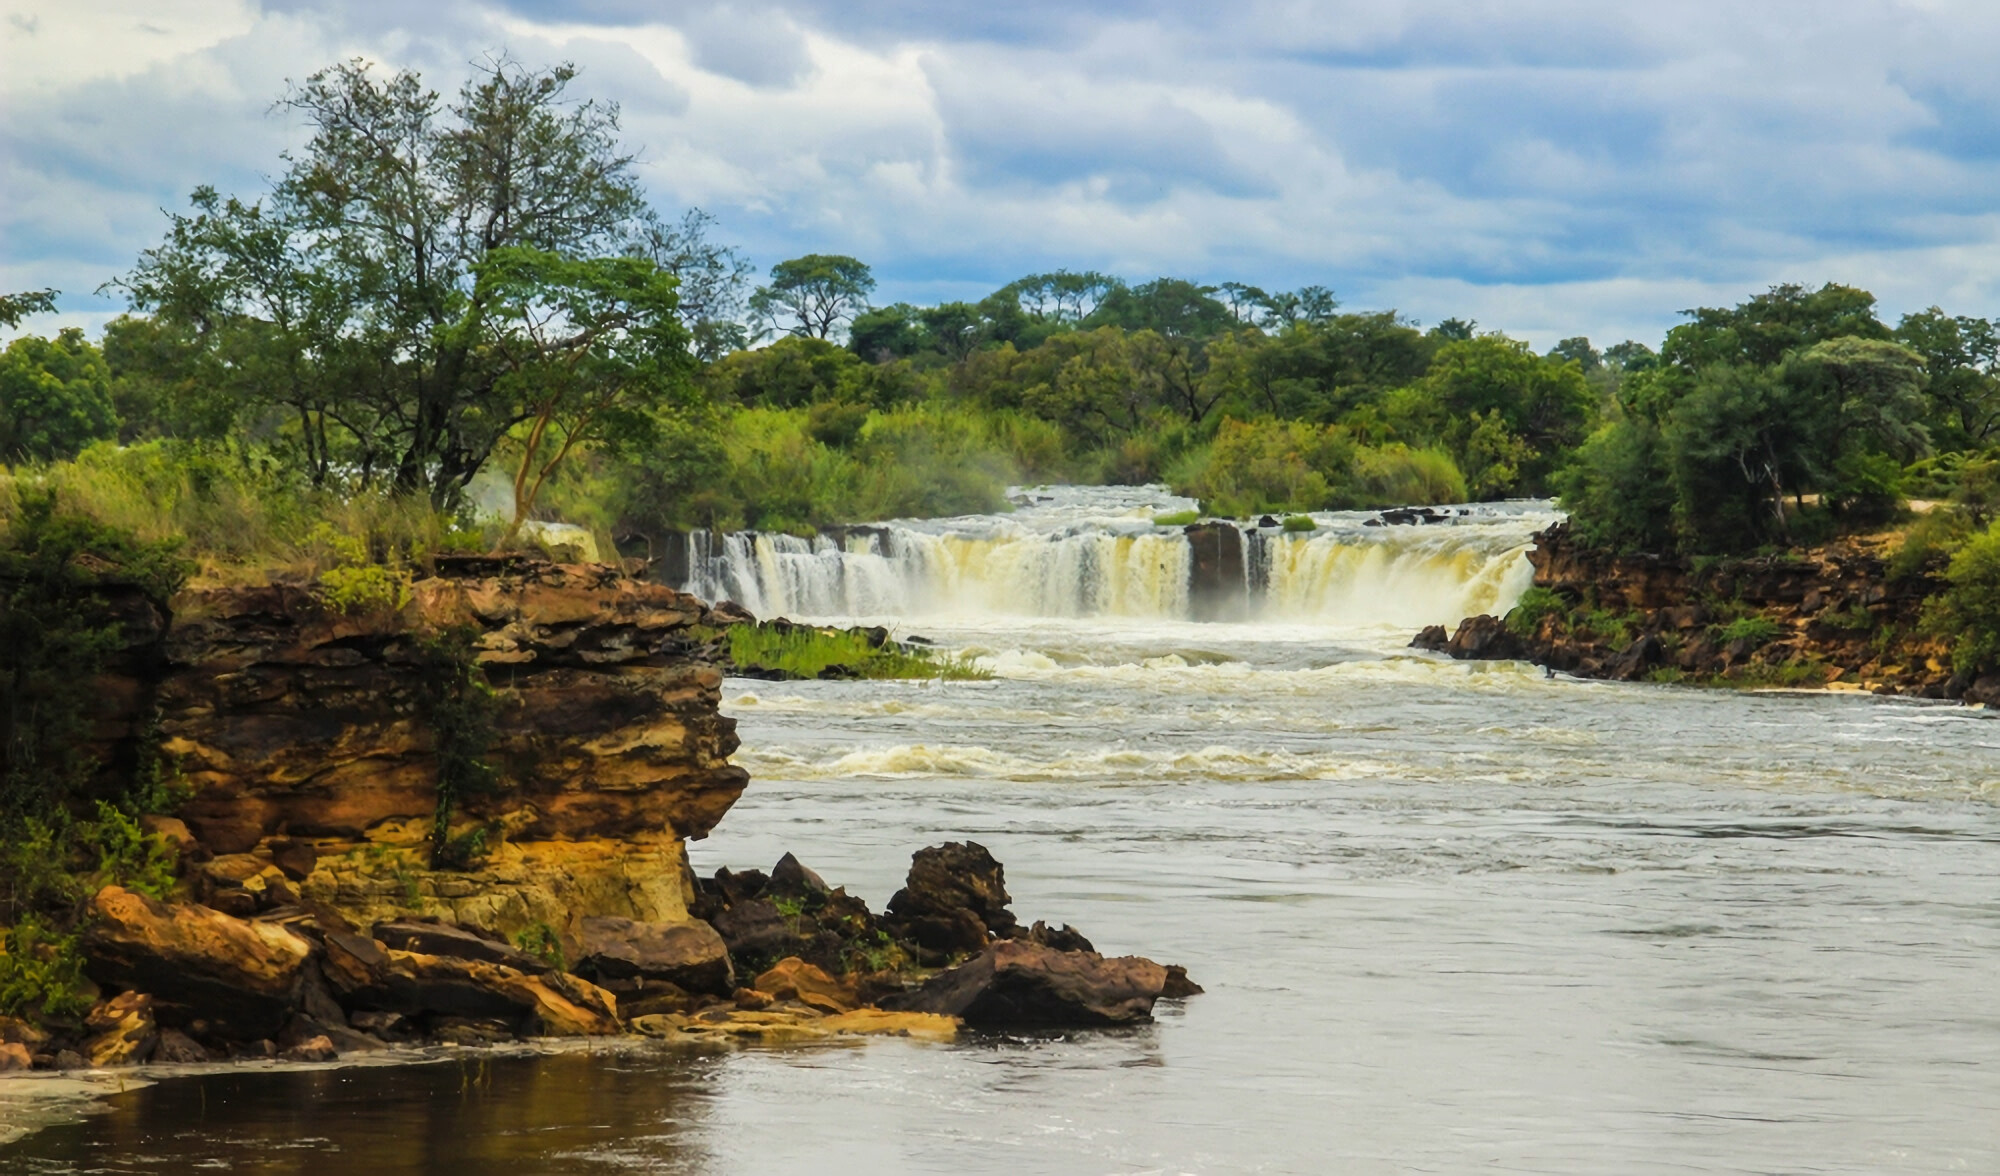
(1269, 465)
(1968, 612)
(62, 827)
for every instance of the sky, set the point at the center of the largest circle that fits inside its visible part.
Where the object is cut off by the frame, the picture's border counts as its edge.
(1548, 168)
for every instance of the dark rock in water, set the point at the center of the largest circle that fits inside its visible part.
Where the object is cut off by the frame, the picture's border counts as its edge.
(1018, 985)
(690, 956)
(1431, 637)
(68, 1059)
(301, 1030)
(1635, 661)
(1178, 985)
(755, 932)
(877, 636)
(318, 1049)
(956, 876)
(1269, 521)
(790, 877)
(837, 672)
(1485, 637)
(1218, 589)
(913, 639)
(954, 901)
(472, 1030)
(1064, 938)
(177, 1048)
(446, 939)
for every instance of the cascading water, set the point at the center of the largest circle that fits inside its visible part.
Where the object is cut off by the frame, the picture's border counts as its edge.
(1070, 551)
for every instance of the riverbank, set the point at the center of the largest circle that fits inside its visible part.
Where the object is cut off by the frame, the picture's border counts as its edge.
(1842, 616)
(463, 821)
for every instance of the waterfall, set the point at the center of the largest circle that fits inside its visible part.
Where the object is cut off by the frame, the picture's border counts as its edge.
(1095, 552)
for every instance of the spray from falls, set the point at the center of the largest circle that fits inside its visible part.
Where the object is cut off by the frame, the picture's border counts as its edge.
(1095, 552)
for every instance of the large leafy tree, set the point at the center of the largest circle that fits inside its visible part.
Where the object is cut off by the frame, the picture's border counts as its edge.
(1962, 356)
(817, 292)
(55, 397)
(350, 299)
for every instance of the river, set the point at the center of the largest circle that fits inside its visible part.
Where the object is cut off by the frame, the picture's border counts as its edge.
(1451, 917)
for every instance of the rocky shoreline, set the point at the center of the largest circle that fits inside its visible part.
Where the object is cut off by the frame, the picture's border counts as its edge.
(330, 898)
(1834, 617)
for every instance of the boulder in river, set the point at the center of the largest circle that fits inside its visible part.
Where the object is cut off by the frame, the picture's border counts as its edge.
(122, 1031)
(240, 977)
(1014, 984)
(691, 956)
(954, 901)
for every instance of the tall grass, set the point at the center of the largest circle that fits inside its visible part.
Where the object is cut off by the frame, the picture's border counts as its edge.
(238, 513)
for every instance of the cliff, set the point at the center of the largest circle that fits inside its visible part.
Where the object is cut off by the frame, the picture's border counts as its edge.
(304, 739)
(1828, 616)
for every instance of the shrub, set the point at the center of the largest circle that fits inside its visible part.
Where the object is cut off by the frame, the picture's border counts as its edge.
(1757, 630)
(1294, 523)
(41, 971)
(1525, 618)
(1967, 612)
(802, 652)
(1179, 518)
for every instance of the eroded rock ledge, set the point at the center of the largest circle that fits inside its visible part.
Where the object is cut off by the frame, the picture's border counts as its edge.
(307, 919)
(1830, 616)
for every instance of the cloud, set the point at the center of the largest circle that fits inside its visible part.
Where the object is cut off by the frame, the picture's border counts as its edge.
(1552, 167)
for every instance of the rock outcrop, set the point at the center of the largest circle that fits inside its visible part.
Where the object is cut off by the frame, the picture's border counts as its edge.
(1830, 616)
(1018, 985)
(305, 737)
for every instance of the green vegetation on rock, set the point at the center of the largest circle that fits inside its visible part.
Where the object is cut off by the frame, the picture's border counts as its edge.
(802, 651)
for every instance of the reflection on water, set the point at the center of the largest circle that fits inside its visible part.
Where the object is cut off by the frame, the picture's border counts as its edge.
(570, 1112)
(1451, 918)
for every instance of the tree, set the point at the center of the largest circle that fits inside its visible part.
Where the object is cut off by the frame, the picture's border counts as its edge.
(713, 278)
(16, 307)
(819, 290)
(1580, 351)
(1174, 308)
(1455, 330)
(1962, 356)
(1061, 297)
(1763, 330)
(351, 301)
(1480, 392)
(590, 350)
(55, 397)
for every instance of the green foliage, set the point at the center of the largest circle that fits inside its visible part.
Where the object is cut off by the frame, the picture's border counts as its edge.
(1504, 413)
(817, 292)
(798, 651)
(41, 971)
(544, 944)
(1179, 518)
(1525, 618)
(1266, 465)
(1757, 630)
(1967, 613)
(1296, 523)
(126, 855)
(1617, 490)
(55, 397)
(394, 332)
(461, 708)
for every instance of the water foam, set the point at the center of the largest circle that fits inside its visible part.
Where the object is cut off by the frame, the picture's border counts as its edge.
(1094, 552)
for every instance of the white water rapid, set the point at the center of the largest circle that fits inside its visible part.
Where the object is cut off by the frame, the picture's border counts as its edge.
(1070, 551)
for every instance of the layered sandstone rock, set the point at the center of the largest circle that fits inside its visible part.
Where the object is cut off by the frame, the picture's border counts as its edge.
(304, 736)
